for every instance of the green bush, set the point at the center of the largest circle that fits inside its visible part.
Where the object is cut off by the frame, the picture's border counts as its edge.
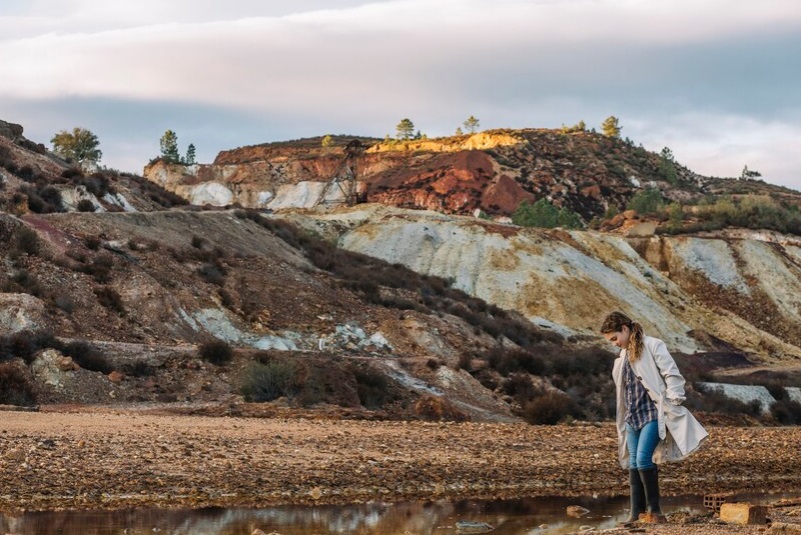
(646, 202)
(543, 214)
(752, 211)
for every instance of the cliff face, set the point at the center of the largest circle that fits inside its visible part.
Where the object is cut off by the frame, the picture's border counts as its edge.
(741, 289)
(492, 171)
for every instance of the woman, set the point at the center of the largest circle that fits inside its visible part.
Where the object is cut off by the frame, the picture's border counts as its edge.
(652, 426)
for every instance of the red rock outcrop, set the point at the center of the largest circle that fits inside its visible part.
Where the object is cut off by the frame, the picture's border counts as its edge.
(493, 171)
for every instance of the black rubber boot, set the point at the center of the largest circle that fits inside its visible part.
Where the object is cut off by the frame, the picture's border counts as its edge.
(650, 482)
(637, 497)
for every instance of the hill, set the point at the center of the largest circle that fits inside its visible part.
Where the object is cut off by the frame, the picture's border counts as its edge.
(117, 291)
(492, 172)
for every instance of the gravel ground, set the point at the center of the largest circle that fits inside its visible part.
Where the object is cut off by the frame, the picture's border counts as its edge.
(112, 459)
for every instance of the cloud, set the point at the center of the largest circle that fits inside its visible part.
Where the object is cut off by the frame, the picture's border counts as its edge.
(715, 145)
(358, 66)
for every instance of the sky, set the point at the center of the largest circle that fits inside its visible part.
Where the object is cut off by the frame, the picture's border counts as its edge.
(716, 81)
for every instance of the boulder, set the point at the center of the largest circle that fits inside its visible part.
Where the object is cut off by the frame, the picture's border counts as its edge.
(743, 513)
(11, 131)
(50, 367)
(19, 312)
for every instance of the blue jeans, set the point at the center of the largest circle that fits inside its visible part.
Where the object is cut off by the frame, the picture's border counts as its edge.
(641, 444)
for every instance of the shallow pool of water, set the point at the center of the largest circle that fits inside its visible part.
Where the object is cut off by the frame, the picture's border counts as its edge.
(530, 516)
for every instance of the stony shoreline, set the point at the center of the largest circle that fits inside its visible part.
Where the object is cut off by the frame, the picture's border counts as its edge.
(112, 458)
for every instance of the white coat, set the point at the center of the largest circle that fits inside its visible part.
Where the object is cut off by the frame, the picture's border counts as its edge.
(679, 432)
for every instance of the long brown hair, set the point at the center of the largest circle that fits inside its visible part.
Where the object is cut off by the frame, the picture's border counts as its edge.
(615, 321)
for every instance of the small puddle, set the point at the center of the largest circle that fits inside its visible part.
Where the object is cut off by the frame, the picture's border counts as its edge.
(529, 516)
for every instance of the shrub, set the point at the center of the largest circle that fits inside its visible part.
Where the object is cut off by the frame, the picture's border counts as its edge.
(372, 388)
(109, 298)
(87, 356)
(269, 381)
(226, 299)
(314, 385)
(543, 214)
(26, 240)
(16, 387)
(25, 344)
(212, 274)
(52, 197)
(548, 409)
(520, 387)
(65, 303)
(100, 268)
(28, 282)
(138, 369)
(27, 173)
(216, 352)
(97, 184)
(436, 408)
(93, 242)
(786, 412)
(506, 361)
(85, 205)
(433, 364)
(72, 172)
(647, 201)
(589, 361)
(36, 204)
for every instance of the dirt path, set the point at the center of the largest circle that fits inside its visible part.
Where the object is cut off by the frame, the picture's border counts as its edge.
(115, 459)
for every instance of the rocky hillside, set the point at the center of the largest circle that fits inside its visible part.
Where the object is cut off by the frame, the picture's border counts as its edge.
(492, 172)
(113, 291)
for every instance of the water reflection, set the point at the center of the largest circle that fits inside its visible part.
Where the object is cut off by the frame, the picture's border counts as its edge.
(509, 517)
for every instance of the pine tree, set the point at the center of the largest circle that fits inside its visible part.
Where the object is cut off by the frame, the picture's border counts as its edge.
(169, 147)
(190, 154)
(610, 127)
(471, 124)
(667, 166)
(405, 129)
